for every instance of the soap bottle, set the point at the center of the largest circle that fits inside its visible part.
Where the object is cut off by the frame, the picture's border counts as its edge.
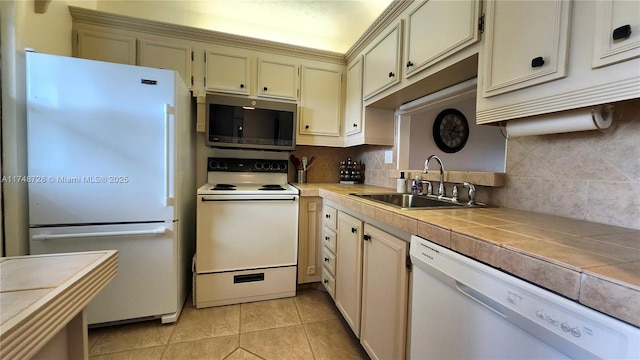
(416, 186)
(401, 184)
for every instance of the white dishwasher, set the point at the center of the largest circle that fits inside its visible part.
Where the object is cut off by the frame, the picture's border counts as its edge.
(462, 309)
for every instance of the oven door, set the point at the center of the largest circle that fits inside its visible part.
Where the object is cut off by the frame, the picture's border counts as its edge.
(241, 232)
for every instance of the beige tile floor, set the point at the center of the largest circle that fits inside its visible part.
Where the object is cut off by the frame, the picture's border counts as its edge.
(307, 326)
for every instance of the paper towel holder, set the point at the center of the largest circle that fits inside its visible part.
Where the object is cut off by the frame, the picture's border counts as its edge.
(597, 118)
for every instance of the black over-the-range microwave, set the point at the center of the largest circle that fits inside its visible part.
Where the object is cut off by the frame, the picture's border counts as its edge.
(243, 123)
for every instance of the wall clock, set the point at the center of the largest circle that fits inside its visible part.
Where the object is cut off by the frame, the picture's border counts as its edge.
(450, 130)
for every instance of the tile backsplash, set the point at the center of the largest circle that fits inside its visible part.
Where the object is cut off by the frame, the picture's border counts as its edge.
(589, 175)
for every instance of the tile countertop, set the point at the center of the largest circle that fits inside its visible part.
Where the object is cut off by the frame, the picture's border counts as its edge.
(41, 294)
(594, 264)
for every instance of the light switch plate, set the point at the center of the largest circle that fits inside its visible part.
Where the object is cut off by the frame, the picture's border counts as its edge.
(388, 156)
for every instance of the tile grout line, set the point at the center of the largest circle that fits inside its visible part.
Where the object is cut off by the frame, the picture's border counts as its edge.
(304, 328)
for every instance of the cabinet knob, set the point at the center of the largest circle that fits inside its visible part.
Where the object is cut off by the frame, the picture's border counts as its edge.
(264, 88)
(306, 126)
(326, 281)
(391, 74)
(409, 64)
(354, 230)
(623, 32)
(326, 238)
(241, 86)
(367, 237)
(537, 62)
(355, 125)
(326, 259)
(328, 216)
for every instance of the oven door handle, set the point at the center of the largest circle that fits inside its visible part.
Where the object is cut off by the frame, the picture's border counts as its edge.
(252, 199)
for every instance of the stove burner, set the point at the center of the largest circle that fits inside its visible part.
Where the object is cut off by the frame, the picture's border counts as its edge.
(271, 187)
(224, 187)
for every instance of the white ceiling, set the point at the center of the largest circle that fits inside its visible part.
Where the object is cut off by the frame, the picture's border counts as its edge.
(332, 25)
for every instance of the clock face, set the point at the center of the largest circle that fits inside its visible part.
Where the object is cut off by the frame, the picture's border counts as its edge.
(450, 130)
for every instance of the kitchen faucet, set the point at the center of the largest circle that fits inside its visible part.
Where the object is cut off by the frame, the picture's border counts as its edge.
(426, 171)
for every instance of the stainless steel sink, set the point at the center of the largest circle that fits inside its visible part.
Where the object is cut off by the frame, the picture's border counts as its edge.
(415, 202)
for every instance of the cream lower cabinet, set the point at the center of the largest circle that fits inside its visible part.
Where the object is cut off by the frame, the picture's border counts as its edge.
(309, 244)
(370, 281)
(349, 275)
(385, 288)
(329, 246)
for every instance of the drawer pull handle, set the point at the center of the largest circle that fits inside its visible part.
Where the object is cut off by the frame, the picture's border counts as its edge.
(327, 216)
(537, 62)
(623, 32)
(326, 259)
(326, 238)
(326, 281)
(367, 237)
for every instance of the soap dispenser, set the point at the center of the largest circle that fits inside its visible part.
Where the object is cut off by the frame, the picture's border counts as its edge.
(401, 184)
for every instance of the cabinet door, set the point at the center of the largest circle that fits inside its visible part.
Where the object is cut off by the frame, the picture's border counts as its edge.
(227, 73)
(353, 112)
(167, 56)
(526, 43)
(320, 101)
(105, 47)
(349, 270)
(277, 80)
(309, 239)
(612, 42)
(384, 295)
(382, 62)
(437, 29)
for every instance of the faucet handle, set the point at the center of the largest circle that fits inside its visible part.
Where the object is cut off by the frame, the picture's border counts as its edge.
(429, 187)
(472, 192)
(454, 197)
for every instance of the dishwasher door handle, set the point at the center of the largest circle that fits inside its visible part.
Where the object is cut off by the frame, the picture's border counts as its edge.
(482, 299)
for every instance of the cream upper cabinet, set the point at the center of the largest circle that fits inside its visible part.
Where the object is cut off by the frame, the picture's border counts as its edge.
(228, 73)
(320, 102)
(382, 62)
(384, 295)
(164, 55)
(526, 43)
(349, 270)
(105, 46)
(353, 112)
(277, 79)
(438, 28)
(617, 32)
(600, 71)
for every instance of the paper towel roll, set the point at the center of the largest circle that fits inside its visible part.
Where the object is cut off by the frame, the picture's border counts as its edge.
(567, 121)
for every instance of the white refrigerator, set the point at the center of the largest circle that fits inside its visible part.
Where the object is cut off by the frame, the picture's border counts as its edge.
(111, 166)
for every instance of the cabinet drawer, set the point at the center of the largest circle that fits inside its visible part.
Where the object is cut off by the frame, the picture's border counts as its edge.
(329, 238)
(329, 217)
(329, 282)
(329, 260)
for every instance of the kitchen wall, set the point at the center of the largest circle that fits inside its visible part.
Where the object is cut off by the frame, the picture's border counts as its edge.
(589, 175)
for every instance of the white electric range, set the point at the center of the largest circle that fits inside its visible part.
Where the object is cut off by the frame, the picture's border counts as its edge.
(246, 233)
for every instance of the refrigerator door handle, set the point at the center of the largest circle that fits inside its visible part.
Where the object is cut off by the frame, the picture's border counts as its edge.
(160, 231)
(169, 150)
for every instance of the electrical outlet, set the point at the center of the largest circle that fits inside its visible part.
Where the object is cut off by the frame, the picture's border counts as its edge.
(311, 270)
(388, 156)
